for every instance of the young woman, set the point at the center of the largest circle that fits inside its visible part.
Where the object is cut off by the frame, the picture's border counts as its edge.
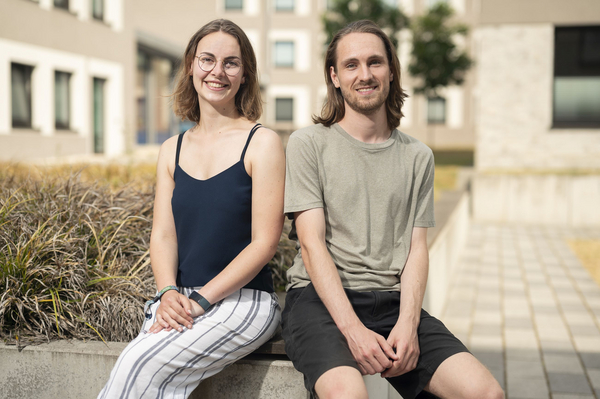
(218, 216)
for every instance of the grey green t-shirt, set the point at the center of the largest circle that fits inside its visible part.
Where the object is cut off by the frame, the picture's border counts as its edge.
(372, 196)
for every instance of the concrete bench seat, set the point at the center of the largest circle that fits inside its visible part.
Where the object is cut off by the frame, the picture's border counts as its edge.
(76, 369)
(275, 347)
(266, 373)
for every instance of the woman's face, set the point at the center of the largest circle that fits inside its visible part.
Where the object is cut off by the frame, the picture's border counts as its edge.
(217, 86)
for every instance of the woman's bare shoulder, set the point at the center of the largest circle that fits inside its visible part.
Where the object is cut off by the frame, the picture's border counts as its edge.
(266, 138)
(167, 153)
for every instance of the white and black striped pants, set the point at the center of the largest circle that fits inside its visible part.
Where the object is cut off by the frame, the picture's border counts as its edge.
(171, 364)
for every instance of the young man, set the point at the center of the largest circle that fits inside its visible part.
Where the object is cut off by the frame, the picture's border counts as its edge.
(361, 194)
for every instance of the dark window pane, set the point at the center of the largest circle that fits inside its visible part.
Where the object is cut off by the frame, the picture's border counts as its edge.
(61, 4)
(284, 109)
(284, 5)
(430, 3)
(577, 101)
(20, 80)
(62, 100)
(436, 110)
(98, 115)
(154, 81)
(98, 9)
(577, 76)
(284, 54)
(577, 51)
(234, 4)
(590, 48)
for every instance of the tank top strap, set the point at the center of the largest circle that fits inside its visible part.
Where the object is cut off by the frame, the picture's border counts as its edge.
(254, 129)
(179, 140)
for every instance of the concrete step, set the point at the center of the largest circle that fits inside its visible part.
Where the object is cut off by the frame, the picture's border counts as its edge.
(254, 377)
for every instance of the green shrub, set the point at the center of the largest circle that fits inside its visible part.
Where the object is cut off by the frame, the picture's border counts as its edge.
(74, 259)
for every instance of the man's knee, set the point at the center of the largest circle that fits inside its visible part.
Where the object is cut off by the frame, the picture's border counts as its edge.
(341, 391)
(341, 383)
(462, 375)
(485, 390)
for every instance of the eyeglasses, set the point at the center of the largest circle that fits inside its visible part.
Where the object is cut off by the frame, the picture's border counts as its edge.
(231, 66)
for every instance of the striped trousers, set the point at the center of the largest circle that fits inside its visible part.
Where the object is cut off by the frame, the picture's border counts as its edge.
(171, 364)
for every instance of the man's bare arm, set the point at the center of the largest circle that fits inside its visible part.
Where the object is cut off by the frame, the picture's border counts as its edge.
(413, 282)
(369, 349)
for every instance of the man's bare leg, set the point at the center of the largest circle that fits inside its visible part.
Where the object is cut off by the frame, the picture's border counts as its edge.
(341, 382)
(462, 376)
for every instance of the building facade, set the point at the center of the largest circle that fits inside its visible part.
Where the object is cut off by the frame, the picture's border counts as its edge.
(538, 85)
(94, 76)
(537, 91)
(62, 78)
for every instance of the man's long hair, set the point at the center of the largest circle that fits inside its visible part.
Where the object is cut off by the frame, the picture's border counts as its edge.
(334, 108)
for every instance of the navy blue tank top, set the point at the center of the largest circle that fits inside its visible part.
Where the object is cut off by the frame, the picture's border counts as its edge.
(213, 220)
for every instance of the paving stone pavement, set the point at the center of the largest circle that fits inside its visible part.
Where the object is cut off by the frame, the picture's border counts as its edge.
(528, 309)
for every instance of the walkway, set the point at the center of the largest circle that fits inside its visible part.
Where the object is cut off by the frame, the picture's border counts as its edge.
(528, 309)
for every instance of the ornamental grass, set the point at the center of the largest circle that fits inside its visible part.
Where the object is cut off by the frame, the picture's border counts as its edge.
(74, 252)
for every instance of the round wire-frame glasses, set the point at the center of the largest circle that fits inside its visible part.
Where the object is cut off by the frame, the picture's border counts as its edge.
(231, 66)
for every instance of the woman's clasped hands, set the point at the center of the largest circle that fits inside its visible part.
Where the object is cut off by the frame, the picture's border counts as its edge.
(175, 311)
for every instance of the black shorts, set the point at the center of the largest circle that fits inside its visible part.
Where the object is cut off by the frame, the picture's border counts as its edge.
(315, 344)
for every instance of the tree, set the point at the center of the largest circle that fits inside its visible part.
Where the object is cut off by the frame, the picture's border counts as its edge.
(436, 60)
(342, 12)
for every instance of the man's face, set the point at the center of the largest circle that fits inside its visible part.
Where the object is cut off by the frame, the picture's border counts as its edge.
(362, 72)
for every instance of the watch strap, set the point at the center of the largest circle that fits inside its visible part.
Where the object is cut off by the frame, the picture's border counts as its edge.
(203, 302)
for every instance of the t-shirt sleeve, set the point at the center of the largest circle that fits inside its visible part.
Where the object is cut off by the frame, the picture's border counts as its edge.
(424, 212)
(302, 184)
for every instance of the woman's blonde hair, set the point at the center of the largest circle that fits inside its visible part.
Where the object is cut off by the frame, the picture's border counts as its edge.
(248, 100)
(334, 108)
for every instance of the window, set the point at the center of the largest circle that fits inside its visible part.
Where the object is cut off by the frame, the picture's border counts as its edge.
(284, 54)
(98, 9)
(284, 109)
(436, 110)
(64, 4)
(20, 79)
(577, 77)
(234, 4)
(155, 119)
(62, 100)
(284, 5)
(431, 3)
(98, 100)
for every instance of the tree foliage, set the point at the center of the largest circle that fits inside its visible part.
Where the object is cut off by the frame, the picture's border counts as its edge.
(436, 60)
(342, 12)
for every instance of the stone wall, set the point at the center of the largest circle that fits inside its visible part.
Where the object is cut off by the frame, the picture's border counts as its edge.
(514, 73)
(446, 243)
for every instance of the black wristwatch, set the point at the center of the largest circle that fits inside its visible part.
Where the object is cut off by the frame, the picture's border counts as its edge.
(204, 304)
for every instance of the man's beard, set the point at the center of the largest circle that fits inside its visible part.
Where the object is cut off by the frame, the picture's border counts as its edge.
(363, 105)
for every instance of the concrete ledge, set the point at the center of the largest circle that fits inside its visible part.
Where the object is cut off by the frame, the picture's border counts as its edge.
(254, 378)
(446, 240)
(60, 369)
(76, 369)
(552, 199)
